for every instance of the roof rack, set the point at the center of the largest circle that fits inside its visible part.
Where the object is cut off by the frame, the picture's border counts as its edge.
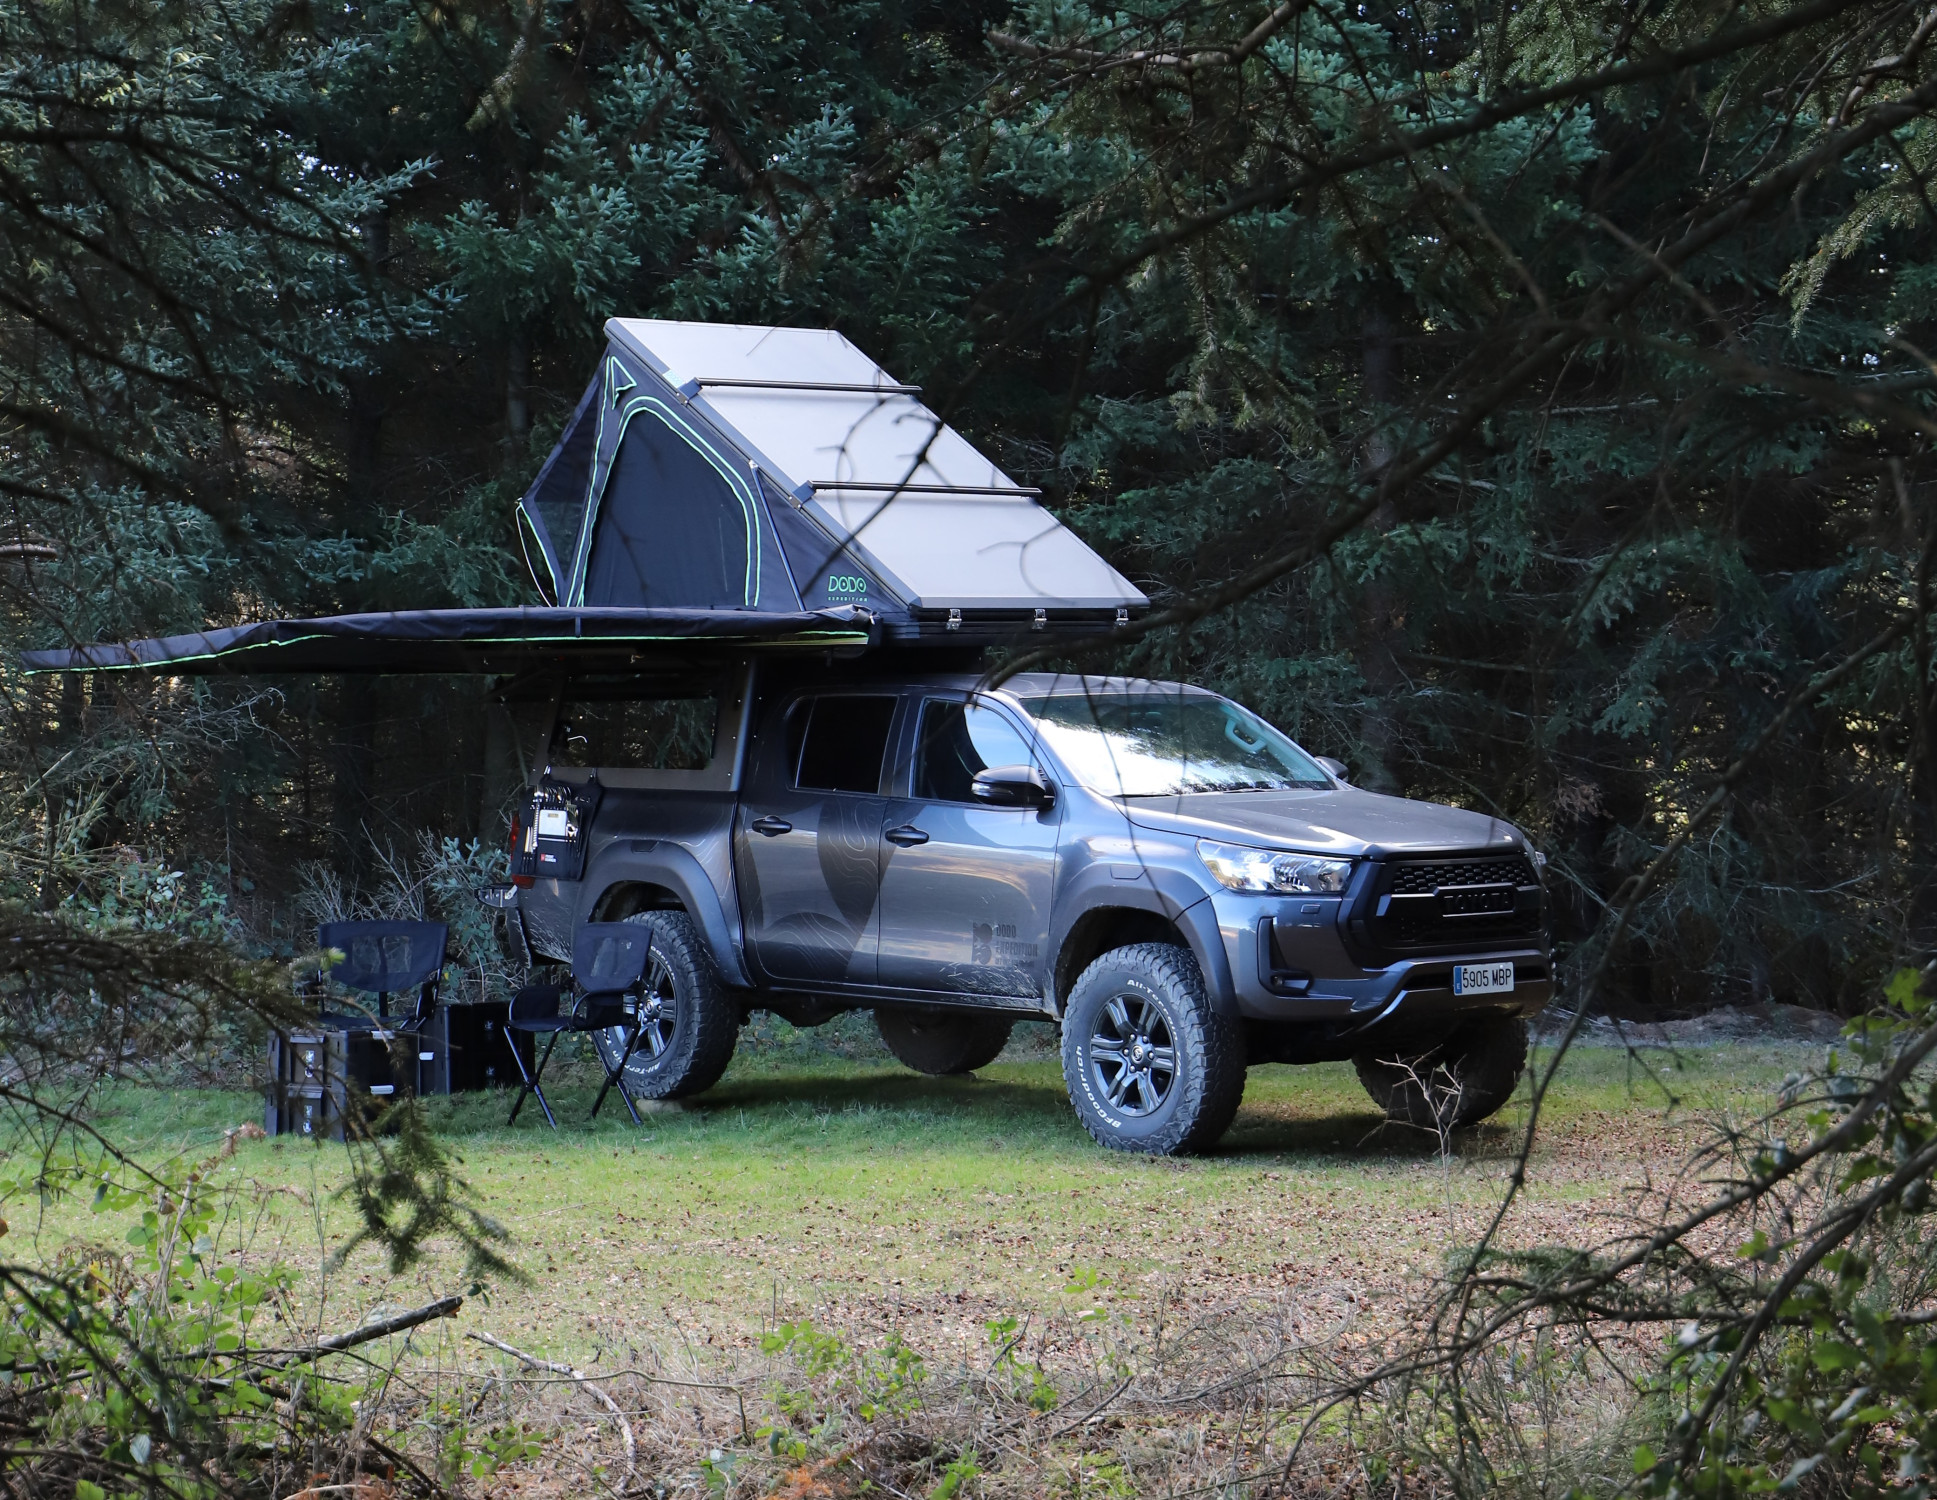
(895, 487)
(693, 384)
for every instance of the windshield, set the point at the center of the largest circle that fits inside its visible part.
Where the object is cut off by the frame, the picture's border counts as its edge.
(1165, 744)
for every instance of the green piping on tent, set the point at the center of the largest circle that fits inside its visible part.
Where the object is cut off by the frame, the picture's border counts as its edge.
(749, 503)
(818, 639)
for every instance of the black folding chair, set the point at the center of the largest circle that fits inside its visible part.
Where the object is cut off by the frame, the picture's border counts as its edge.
(388, 958)
(608, 961)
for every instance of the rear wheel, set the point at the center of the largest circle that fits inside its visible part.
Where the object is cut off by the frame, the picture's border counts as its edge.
(1150, 1066)
(940, 1042)
(687, 1022)
(1461, 1081)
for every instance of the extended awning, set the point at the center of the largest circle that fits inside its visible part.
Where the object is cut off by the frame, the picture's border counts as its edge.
(501, 642)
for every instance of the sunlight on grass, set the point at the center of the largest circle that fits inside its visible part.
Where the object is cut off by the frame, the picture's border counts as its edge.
(821, 1177)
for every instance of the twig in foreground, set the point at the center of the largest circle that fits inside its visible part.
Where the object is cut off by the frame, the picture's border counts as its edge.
(532, 1362)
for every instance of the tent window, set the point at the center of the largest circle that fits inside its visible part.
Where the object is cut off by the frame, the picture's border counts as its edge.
(671, 532)
(559, 495)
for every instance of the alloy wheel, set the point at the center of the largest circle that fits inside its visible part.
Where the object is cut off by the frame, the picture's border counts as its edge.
(1133, 1057)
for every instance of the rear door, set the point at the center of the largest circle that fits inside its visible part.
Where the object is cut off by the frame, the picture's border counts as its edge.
(965, 887)
(809, 841)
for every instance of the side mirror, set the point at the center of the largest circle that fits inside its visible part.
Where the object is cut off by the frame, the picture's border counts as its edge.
(1013, 786)
(1333, 767)
(497, 897)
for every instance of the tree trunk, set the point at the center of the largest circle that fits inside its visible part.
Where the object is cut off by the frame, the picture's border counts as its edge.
(517, 394)
(355, 757)
(1378, 605)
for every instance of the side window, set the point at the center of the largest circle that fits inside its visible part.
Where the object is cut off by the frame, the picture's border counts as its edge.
(660, 734)
(959, 739)
(843, 743)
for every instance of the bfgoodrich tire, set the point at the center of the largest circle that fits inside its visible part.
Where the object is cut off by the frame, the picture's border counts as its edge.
(1151, 1067)
(1461, 1081)
(939, 1042)
(688, 1023)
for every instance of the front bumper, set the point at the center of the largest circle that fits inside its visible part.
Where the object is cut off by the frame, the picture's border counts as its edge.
(1289, 962)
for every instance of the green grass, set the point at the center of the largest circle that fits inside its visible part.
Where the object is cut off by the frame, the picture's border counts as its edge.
(821, 1179)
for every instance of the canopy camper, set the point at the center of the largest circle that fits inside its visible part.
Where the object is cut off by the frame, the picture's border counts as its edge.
(721, 489)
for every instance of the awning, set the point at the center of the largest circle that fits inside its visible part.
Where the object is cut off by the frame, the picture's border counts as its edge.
(495, 641)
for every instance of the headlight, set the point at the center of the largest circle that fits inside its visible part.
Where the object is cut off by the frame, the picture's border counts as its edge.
(1244, 869)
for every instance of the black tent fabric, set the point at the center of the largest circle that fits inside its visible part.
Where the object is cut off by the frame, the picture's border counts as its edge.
(466, 640)
(702, 552)
(552, 509)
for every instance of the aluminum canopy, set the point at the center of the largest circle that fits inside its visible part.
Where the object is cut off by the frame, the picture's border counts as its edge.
(734, 465)
(496, 641)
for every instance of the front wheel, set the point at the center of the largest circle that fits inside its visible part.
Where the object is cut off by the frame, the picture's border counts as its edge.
(1150, 1066)
(1461, 1081)
(687, 1022)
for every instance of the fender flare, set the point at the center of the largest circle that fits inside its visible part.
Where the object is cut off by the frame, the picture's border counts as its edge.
(1194, 917)
(658, 862)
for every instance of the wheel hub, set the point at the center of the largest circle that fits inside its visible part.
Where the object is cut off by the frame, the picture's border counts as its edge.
(1133, 1061)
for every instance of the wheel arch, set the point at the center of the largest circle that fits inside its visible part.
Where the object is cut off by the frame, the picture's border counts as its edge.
(1117, 924)
(628, 877)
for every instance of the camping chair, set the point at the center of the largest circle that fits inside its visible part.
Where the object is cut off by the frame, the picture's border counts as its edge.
(608, 961)
(388, 958)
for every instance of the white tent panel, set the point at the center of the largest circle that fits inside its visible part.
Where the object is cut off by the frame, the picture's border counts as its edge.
(974, 552)
(937, 519)
(811, 436)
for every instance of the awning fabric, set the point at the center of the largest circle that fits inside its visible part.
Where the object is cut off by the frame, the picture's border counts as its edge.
(500, 641)
(716, 465)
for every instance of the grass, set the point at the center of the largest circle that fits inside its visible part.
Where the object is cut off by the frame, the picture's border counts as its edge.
(820, 1179)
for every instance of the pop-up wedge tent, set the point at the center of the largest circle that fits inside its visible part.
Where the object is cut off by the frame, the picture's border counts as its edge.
(721, 487)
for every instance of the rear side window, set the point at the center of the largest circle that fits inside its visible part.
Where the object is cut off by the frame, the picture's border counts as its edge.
(844, 740)
(656, 734)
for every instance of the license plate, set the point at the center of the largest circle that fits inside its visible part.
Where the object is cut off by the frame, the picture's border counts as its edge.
(1482, 979)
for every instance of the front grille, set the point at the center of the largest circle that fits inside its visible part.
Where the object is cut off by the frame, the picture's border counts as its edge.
(1443, 904)
(1423, 879)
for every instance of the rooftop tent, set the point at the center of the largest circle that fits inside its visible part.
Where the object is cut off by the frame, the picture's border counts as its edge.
(728, 466)
(720, 488)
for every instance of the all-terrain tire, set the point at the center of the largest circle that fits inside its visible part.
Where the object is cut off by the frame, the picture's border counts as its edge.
(704, 1019)
(1461, 1081)
(940, 1042)
(1143, 1011)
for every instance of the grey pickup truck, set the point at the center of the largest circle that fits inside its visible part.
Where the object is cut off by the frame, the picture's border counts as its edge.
(1180, 887)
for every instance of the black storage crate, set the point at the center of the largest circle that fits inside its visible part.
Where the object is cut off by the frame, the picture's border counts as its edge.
(465, 1047)
(312, 1075)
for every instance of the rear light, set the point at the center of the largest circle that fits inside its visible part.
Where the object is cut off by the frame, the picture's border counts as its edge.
(517, 853)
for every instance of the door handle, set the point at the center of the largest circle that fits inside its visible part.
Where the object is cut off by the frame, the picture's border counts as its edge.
(772, 827)
(907, 836)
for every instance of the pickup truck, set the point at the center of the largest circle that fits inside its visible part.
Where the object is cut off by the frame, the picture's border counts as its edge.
(1155, 868)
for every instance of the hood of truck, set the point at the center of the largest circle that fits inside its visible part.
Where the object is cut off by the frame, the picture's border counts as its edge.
(1346, 822)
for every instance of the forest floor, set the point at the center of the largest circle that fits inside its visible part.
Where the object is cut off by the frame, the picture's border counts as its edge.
(820, 1182)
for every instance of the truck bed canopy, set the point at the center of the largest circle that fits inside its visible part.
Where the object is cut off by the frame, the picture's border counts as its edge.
(732, 466)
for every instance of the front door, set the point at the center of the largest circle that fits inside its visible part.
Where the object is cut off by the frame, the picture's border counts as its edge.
(965, 887)
(809, 842)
